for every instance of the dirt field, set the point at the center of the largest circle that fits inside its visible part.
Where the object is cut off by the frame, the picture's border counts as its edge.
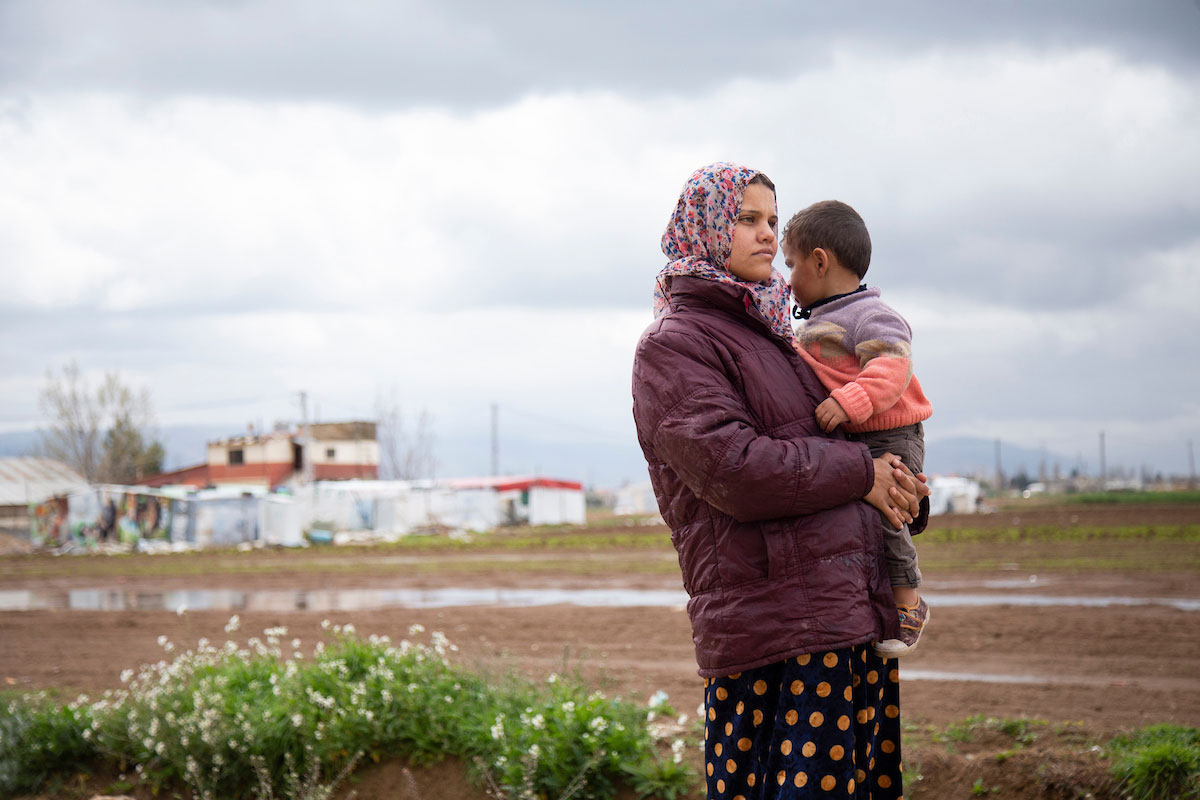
(1090, 671)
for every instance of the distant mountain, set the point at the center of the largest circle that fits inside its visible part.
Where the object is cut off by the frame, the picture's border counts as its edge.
(185, 444)
(19, 443)
(965, 455)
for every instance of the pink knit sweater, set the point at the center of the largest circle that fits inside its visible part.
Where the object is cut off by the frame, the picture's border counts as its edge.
(861, 349)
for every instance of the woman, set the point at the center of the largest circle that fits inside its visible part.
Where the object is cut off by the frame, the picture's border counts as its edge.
(782, 560)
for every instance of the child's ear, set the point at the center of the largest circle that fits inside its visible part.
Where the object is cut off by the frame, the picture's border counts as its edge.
(822, 259)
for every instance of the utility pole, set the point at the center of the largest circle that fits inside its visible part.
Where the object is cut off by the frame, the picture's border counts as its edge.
(999, 470)
(306, 471)
(1103, 467)
(495, 440)
(1191, 466)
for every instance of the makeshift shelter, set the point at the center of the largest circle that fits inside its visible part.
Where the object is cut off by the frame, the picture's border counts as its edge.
(32, 492)
(950, 494)
(529, 499)
(636, 498)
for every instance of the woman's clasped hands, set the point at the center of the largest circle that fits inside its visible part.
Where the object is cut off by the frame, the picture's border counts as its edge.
(896, 492)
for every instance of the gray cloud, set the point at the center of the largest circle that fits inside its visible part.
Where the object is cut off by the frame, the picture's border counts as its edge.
(466, 53)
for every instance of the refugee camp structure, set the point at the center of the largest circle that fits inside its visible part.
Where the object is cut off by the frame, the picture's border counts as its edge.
(137, 515)
(236, 514)
(31, 492)
(636, 498)
(468, 504)
(950, 494)
(529, 499)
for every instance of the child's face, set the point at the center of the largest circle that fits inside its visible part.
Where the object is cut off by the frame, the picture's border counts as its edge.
(806, 282)
(754, 241)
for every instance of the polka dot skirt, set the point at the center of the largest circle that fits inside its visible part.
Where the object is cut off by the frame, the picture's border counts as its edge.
(824, 724)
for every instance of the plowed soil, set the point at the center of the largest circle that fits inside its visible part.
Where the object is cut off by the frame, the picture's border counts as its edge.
(1088, 672)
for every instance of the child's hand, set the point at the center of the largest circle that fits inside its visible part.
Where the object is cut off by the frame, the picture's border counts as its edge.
(830, 415)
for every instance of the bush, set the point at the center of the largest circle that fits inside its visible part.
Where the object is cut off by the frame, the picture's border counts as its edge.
(1161, 761)
(39, 738)
(231, 720)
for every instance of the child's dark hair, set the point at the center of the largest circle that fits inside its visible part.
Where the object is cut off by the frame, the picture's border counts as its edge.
(831, 225)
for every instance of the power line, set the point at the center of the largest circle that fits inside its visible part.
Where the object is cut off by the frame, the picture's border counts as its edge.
(607, 434)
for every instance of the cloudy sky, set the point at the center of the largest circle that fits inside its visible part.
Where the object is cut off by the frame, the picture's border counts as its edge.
(460, 202)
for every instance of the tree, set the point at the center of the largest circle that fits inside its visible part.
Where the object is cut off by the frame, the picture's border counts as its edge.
(104, 434)
(403, 455)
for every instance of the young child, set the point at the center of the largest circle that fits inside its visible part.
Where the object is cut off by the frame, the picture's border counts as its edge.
(861, 349)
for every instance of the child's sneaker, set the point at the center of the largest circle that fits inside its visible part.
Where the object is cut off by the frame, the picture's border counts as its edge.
(913, 620)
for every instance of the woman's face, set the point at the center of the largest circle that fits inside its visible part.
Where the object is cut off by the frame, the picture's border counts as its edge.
(754, 241)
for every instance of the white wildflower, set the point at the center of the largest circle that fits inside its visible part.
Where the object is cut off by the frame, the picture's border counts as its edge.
(234, 623)
(126, 675)
(677, 748)
(538, 722)
(498, 727)
(598, 724)
(658, 698)
(568, 707)
(297, 720)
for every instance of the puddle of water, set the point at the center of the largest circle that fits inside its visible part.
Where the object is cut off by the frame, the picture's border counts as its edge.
(975, 677)
(329, 600)
(1003, 583)
(1042, 600)
(367, 599)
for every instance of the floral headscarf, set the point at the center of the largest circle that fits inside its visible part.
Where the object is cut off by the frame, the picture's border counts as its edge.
(699, 238)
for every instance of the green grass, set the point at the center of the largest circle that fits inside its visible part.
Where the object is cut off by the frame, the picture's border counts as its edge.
(257, 720)
(1158, 762)
(1124, 497)
(1075, 533)
(1020, 730)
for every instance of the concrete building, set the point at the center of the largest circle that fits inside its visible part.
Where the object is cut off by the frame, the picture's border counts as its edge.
(334, 451)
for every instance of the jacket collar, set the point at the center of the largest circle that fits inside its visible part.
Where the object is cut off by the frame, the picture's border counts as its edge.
(687, 290)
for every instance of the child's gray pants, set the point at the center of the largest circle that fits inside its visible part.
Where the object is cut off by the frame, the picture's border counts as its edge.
(908, 443)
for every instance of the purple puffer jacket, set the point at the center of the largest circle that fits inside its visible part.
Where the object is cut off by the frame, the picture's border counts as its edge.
(780, 556)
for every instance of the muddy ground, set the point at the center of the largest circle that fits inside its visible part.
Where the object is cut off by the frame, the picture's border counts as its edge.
(1089, 672)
